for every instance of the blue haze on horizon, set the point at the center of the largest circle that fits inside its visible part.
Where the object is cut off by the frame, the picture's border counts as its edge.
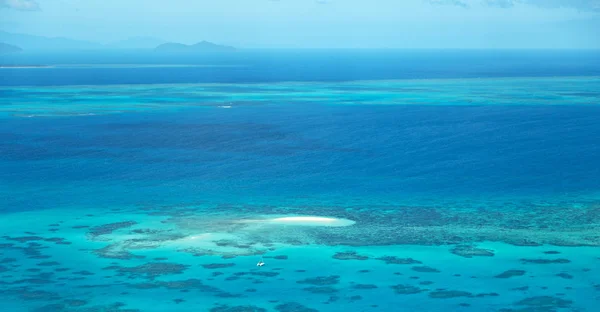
(316, 23)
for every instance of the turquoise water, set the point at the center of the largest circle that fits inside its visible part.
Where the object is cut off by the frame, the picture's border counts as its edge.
(454, 194)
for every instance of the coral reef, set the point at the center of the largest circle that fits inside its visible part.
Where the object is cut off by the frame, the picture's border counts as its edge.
(321, 290)
(510, 273)
(109, 228)
(321, 280)
(565, 275)
(406, 289)
(469, 251)
(545, 261)
(152, 270)
(445, 294)
(292, 307)
(544, 303)
(396, 260)
(364, 286)
(425, 269)
(349, 255)
(218, 265)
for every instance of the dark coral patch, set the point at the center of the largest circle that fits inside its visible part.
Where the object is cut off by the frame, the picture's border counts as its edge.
(321, 290)
(349, 255)
(396, 260)
(545, 261)
(48, 263)
(218, 265)
(181, 285)
(54, 307)
(231, 243)
(523, 242)
(290, 307)
(24, 239)
(280, 257)
(565, 275)
(446, 294)
(321, 280)
(257, 273)
(54, 239)
(332, 299)
(364, 286)
(86, 273)
(109, 228)
(469, 251)
(510, 273)
(552, 252)
(493, 294)
(8, 260)
(153, 269)
(26, 294)
(406, 289)
(425, 269)
(545, 302)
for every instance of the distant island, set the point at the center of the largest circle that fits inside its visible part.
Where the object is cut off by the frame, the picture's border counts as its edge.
(203, 46)
(39, 43)
(14, 42)
(9, 48)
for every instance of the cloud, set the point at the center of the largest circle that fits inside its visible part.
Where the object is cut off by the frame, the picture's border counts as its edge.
(459, 3)
(583, 5)
(501, 3)
(21, 5)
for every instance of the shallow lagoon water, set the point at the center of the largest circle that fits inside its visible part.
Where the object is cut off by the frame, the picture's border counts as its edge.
(460, 195)
(162, 264)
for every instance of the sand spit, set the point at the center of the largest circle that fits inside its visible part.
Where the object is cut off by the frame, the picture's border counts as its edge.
(301, 221)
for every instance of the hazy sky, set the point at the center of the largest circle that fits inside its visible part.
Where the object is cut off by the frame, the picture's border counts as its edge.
(317, 23)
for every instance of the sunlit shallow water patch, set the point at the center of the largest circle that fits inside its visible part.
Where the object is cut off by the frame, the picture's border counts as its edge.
(30, 102)
(189, 258)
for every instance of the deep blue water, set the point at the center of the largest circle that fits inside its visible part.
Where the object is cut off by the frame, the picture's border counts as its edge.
(289, 150)
(253, 66)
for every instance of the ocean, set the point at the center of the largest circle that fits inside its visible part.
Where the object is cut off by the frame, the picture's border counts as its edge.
(390, 180)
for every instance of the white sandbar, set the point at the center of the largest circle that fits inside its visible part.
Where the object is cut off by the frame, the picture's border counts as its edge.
(303, 220)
